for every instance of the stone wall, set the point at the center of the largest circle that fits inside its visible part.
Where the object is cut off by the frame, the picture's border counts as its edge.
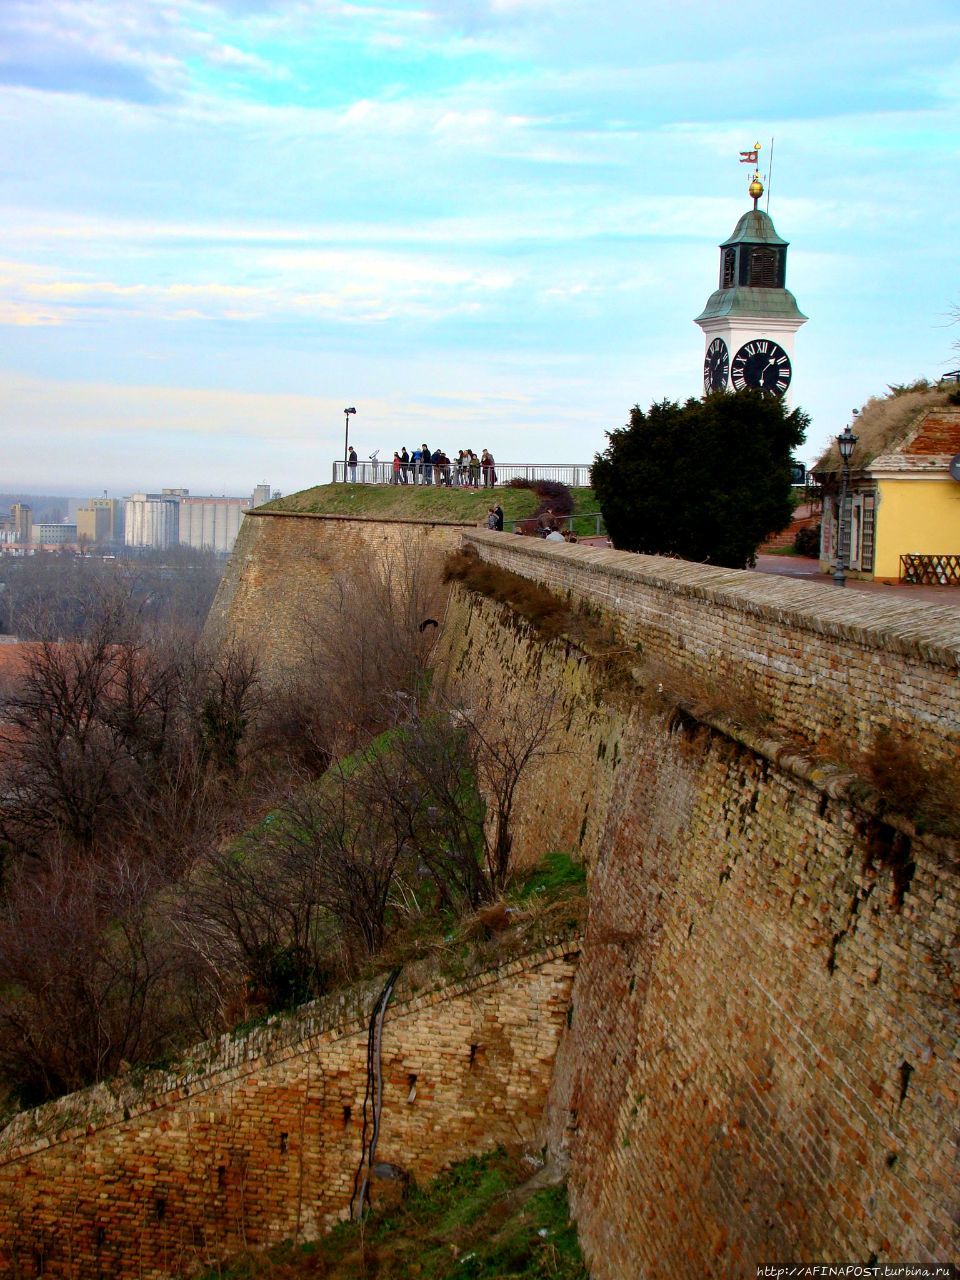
(258, 1140)
(281, 569)
(760, 1066)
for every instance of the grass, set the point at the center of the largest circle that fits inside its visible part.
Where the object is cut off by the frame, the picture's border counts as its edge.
(429, 502)
(484, 1219)
(557, 873)
(408, 502)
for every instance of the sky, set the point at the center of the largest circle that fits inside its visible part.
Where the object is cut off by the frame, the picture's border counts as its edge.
(484, 223)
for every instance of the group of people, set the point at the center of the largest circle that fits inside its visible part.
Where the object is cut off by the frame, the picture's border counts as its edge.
(467, 470)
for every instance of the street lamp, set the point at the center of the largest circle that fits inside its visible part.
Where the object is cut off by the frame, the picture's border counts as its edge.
(846, 443)
(346, 437)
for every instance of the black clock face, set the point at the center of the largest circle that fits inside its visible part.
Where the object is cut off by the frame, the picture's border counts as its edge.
(716, 366)
(762, 365)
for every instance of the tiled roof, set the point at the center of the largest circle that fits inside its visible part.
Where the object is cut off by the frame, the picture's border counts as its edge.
(909, 463)
(938, 433)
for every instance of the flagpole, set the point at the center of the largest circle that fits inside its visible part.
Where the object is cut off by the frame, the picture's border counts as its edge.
(770, 175)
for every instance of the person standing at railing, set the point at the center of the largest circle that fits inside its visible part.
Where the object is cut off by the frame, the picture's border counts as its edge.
(417, 459)
(352, 462)
(404, 465)
(486, 464)
(395, 478)
(474, 470)
(427, 465)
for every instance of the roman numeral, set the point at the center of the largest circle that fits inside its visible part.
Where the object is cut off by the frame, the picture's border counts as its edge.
(763, 347)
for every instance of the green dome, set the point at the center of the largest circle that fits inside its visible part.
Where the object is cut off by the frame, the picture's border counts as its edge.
(755, 227)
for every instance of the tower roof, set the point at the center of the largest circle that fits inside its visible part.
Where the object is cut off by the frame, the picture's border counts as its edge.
(766, 304)
(755, 227)
(746, 292)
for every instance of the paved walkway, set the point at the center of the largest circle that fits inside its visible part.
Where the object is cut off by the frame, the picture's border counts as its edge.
(809, 571)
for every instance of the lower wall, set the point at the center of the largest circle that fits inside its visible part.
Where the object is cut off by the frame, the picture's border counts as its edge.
(262, 1142)
(760, 1066)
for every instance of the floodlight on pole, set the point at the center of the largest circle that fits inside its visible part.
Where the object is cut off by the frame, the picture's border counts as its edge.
(346, 437)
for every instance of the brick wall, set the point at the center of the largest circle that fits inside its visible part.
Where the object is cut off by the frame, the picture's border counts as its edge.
(258, 1139)
(760, 1065)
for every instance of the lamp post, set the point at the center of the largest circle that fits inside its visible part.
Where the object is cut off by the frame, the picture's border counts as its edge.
(346, 438)
(846, 442)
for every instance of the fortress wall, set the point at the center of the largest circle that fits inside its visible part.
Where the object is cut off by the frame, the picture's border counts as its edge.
(830, 665)
(759, 1063)
(760, 1066)
(254, 1144)
(282, 565)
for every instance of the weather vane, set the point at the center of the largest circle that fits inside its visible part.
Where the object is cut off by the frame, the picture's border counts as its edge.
(756, 186)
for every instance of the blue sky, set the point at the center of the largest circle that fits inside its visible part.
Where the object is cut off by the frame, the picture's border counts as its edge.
(482, 222)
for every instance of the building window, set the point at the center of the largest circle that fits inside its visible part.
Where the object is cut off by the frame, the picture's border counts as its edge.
(763, 269)
(868, 533)
(729, 272)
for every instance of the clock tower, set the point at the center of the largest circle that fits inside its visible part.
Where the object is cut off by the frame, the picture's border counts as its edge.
(749, 321)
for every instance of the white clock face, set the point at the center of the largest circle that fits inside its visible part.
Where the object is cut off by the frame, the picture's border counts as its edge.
(763, 366)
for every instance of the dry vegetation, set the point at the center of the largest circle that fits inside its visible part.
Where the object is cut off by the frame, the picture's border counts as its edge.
(883, 420)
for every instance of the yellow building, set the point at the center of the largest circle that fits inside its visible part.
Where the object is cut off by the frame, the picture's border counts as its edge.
(902, 519)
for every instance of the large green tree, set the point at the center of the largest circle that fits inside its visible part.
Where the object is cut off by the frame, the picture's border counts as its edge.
(707, 480)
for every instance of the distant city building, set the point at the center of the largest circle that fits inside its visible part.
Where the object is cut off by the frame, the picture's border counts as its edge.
(151, 520)
(94, 526)
(211, 523)
(21, 517)
(204, 522)
(48, 534)
(114, 508)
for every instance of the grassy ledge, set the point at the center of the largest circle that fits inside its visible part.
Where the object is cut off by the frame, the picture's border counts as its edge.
(484, 1219)
(421, 502)
(406, 502)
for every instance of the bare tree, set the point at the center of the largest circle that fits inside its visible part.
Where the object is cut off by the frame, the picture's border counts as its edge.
(310, 889)
(110, 738)
(461, 769)
(85, 982)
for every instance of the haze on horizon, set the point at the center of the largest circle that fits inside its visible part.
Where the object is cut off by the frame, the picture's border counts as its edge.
(482, 222)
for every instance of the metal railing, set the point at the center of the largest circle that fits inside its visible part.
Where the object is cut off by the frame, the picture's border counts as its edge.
(575, 523)
(377, 471)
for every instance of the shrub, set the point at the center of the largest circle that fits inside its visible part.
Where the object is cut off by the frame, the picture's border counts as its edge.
(807, 542)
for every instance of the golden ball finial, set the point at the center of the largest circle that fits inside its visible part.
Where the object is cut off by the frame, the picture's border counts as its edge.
(755, 188)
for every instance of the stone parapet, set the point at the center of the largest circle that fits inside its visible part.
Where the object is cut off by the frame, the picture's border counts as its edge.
(818, 661)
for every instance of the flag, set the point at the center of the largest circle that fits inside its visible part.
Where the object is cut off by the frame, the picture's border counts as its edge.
(748, 157)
